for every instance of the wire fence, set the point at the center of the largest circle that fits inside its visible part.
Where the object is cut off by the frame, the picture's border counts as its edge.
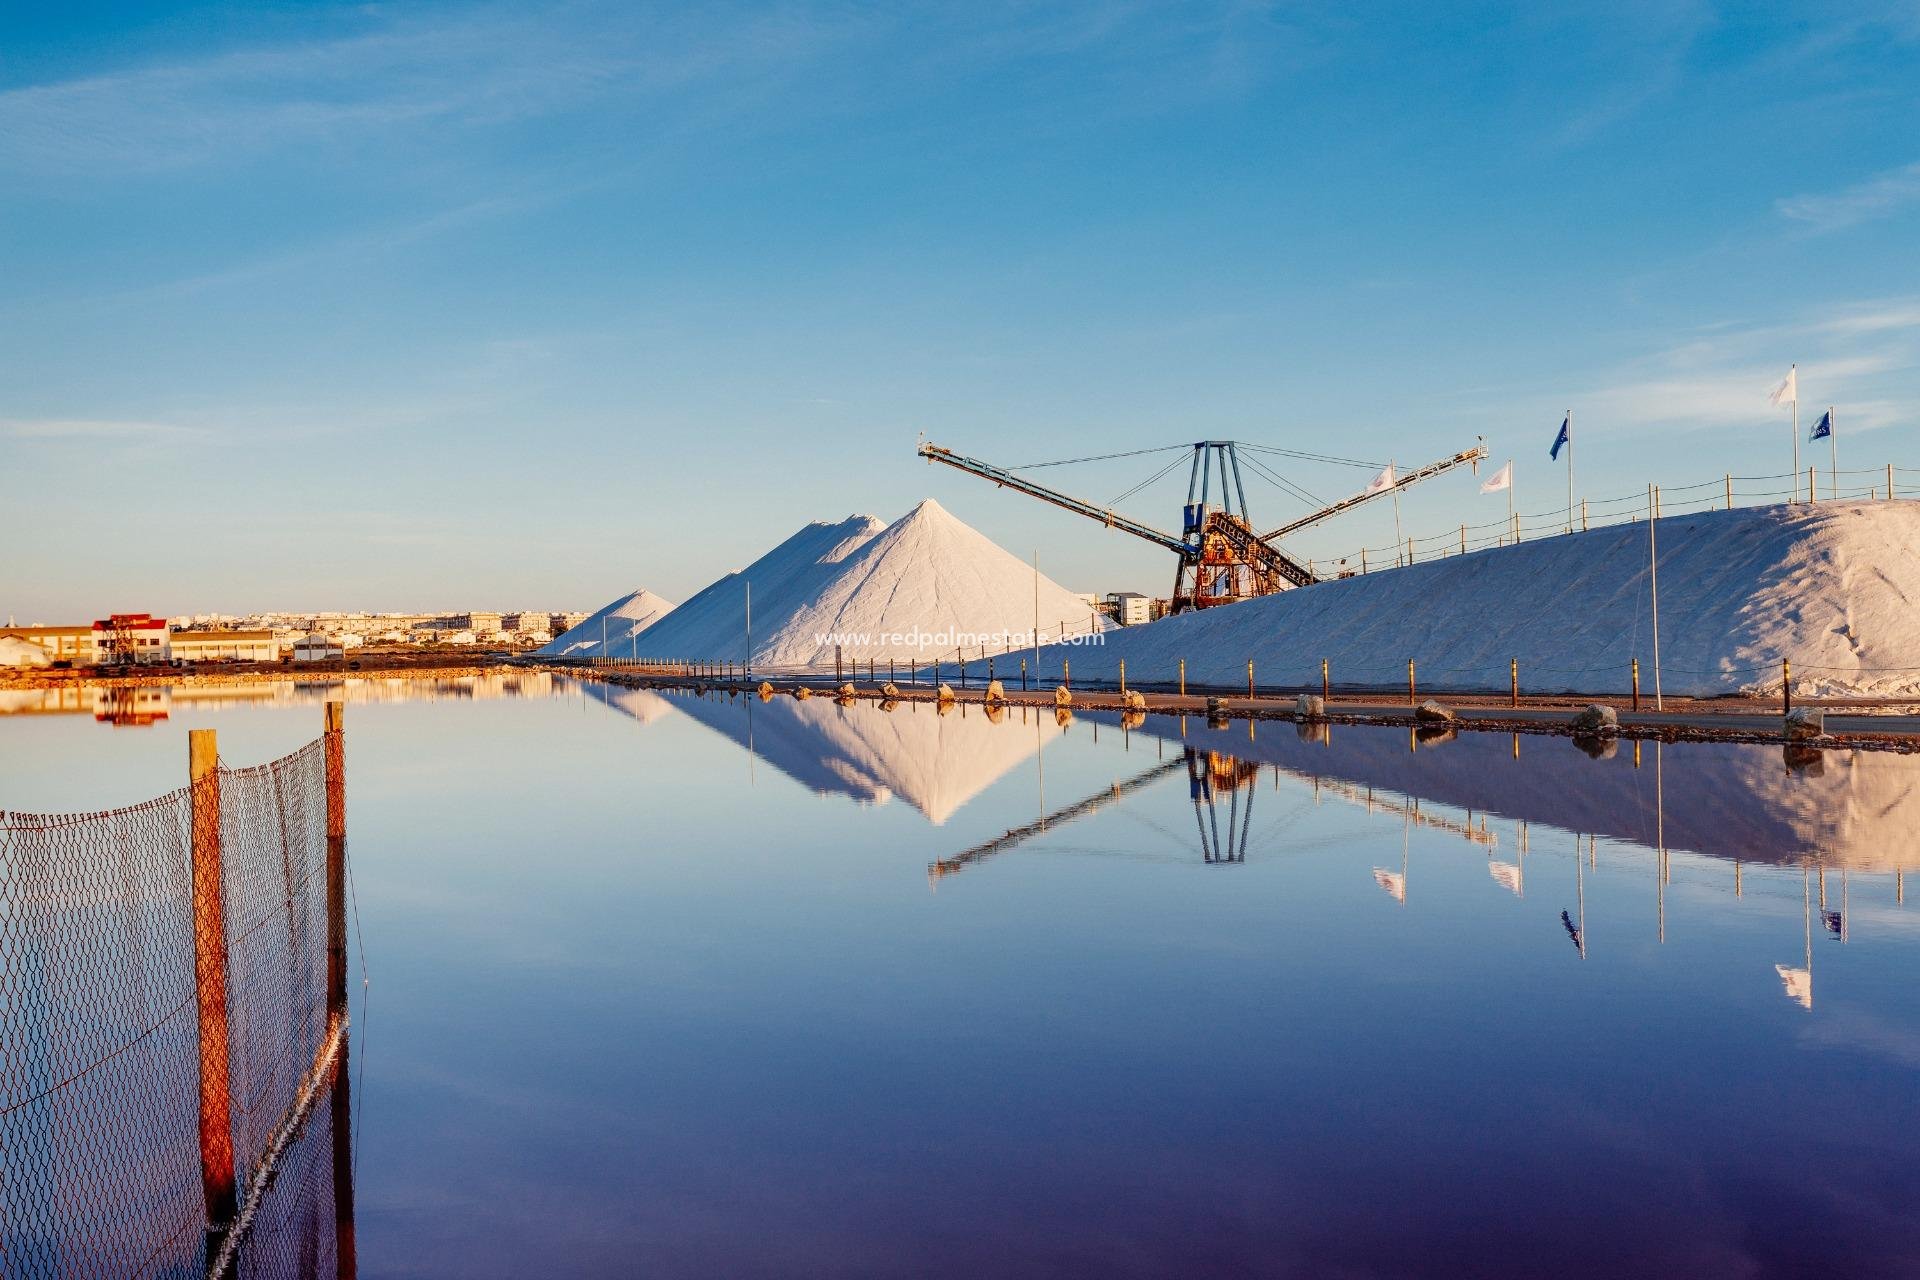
(1882, 483)
(108, 1072)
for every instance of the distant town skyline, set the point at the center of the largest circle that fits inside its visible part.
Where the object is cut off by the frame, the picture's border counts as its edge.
(382, 308)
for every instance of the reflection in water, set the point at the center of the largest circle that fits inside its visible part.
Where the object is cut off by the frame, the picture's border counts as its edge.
(1209, 774)
(1019, 835)
(147, 704)
(936, 759)
(737, 1036)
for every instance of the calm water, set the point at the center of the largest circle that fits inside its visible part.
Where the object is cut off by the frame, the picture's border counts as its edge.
(671, 986)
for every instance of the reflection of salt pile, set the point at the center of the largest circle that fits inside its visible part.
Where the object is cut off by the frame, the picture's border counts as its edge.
(936, 763)
(615, 625)
(643, 705)
(1853, 809)
(1831, 587)
(911, 592)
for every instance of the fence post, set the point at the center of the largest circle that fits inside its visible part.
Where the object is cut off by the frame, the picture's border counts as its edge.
(335, 737)
(1463, 539)
(346, 1250)
(1516, 682)
(1183, 677)
(1636, 684)
(1023, 673)
(1786, 687)
(1249, 677)
(1729, 490)
(1123, 677)
(1810, 490)
(1583, 515)
(1326, 687)
(210, 987)
(1363, 560)
(1889, 482)
(1410, 697)
(1066, 673)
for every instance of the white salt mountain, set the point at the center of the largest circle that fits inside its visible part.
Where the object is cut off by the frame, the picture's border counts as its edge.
(912, 592)
(712, 626)
(1833, 587)
(613, 627)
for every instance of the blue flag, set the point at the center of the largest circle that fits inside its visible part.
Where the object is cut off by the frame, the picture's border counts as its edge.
(1562, 439)
(1823, 428)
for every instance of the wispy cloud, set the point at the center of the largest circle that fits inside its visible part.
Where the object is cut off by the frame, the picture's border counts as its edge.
(1880, 196)
(490, 67)
(1858, 357)
(100, 429)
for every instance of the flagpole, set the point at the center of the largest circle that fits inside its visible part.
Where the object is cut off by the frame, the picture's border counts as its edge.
(1833, 445)
(1398, 536)
(1653, 575)
(1793, 371)
(1569, 471)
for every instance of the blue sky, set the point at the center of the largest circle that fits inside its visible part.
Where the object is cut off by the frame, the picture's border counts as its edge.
(423, 306)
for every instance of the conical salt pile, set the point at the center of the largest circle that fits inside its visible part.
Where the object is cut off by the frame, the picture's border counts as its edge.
(712, 626)
(922, 588)
(613, 626)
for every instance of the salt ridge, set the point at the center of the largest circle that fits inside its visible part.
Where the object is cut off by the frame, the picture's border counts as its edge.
(1834, 587)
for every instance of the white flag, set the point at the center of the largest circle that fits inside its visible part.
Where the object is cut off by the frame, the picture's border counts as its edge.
(1383, 481)
(1787, 392)
(1501, 479)
(1508, 875)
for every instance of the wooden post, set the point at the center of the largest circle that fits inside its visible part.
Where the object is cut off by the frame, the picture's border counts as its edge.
(346, 1251)
(1249, 677)
(1810, 490)
(1516, 682)
(1636, 684)
(1410, 697)
(1889, 482)
(336, 772)
(1786, 687)
(1583, 515)
(1326, 685)
(1023, 677)
(210, 987)
(1066, 673)
(1123, 677)
(1729, 490)
(1183, 677)
(1463, 539)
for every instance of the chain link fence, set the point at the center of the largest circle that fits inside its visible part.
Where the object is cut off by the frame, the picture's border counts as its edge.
(125, 1038)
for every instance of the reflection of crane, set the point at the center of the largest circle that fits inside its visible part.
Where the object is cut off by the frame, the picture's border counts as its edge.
(1209, 773)
(1223, 557)
(1000, 844)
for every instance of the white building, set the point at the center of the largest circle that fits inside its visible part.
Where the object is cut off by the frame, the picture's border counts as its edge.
(1130, 608)
(315, 647)
(225, 646)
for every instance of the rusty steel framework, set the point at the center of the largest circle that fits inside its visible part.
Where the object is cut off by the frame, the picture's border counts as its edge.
(1222, 556)
(173, 1074)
